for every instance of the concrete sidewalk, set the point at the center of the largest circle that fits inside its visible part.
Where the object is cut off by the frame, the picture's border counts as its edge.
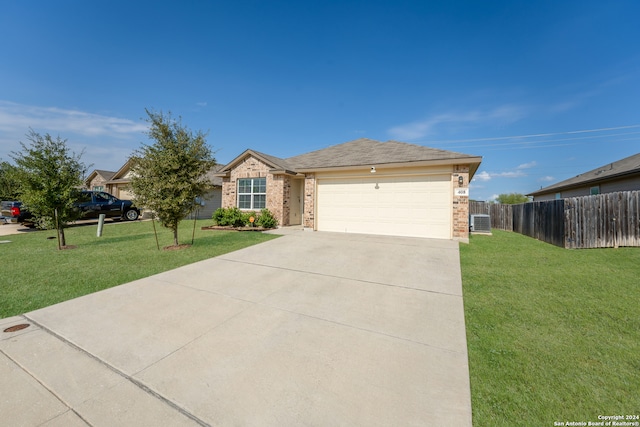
(309, 329)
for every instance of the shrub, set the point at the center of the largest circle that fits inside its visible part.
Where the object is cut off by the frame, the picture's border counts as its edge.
(247, 216)
(266, 219)
(233, 217)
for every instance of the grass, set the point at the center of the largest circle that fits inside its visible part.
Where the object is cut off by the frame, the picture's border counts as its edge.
(553, 334)
(35, 274)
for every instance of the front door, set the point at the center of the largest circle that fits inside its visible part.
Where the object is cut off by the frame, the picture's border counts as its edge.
(295, 204)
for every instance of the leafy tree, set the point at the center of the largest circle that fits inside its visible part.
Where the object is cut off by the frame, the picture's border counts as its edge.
(49, 175)
(512, 199)
(168, 175)
(8, 181)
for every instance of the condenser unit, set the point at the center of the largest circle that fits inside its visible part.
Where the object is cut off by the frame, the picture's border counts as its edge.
(480, 223)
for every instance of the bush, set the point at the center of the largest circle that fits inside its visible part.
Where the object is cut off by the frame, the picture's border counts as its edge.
(247, 216)
(234, 217)
(266, 219)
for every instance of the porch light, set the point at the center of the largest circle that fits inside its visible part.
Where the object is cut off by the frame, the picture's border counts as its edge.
(460, 180)
(373, 169)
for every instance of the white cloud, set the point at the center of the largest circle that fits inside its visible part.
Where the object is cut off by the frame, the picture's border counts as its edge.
(429, 125)
(512, 174)
(547, 178)
(425, 127)
(19, 117)
(482, 176)
(107, 141)
(527, 165)
(486, 176)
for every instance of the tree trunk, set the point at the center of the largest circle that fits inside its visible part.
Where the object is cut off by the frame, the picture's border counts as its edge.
(175, 236)
(61, 239)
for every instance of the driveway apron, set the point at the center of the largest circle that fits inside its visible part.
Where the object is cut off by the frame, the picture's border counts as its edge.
(314, 329)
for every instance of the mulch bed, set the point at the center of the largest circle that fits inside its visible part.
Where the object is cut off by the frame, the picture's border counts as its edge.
(217, 227)
(176, 247)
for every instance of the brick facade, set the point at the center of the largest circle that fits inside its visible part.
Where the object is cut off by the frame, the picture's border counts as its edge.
(276, 185)
(460, 220)
(286, 200)
(308, 217)
(98, 181)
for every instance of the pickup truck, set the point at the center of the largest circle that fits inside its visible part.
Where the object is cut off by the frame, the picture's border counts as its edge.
(10, 211)
(94, 203)
(91, 203)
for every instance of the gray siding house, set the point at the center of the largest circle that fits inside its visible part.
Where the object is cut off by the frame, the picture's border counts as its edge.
(117, 184)
(622, 175)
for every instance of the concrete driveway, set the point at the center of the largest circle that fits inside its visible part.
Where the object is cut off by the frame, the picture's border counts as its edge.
(7, 229)
(313, 328)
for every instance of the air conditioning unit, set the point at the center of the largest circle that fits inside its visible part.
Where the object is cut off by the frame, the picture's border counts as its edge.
(480, 223)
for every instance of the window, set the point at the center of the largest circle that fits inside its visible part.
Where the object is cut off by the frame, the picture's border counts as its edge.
(84, 197)
(558, 196)
(595, 190)
(102, 197)
(252, 193)
(98, 188)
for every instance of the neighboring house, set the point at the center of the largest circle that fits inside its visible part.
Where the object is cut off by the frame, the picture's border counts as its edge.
(97, 180)
(623, 175)
(212, 200)
(362, 186)
(117, 184)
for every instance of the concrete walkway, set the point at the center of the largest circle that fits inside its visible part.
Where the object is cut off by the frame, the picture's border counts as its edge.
(312, 329)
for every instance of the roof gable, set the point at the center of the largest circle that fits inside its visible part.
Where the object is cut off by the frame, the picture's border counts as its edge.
(123, 171)
(105, 175)
(273, 162)
(627, 166)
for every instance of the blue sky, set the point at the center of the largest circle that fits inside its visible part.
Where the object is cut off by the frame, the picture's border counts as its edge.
(542, 90)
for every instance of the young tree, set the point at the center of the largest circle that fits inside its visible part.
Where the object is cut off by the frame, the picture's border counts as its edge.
(512, 199)
(8, 181)
(49, 175)
(168, 175)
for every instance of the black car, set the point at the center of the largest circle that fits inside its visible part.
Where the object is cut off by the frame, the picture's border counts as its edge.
(94, 203)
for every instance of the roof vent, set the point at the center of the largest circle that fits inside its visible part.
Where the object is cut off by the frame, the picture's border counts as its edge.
(480, 223)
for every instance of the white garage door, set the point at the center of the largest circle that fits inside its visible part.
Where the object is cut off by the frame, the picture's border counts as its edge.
(418, 206)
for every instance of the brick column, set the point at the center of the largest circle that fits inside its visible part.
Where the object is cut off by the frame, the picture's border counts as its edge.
(309, 200)
(460, 203)
(275, 198)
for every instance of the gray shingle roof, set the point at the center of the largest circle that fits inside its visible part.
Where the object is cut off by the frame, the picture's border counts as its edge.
(215, 180)
(107, 175)
(628, 165)
(366, 151)
(360, 152)
(276, 161)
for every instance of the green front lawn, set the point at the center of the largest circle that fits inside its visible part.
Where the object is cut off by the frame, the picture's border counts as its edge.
(35, 274)
(553, 334)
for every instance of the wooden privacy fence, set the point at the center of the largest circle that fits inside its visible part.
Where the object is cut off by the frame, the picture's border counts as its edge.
(600, 221)
(603, 221)
(501, 215)
(541, 220)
